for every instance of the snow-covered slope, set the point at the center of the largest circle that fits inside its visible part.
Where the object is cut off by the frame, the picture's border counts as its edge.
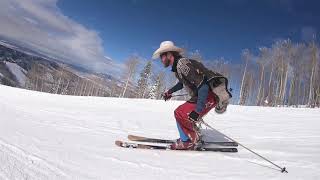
(45, 136)
(18, 72)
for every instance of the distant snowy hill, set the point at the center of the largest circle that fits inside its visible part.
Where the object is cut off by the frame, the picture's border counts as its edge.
(48, 136)
(24, 48)
(24, 68)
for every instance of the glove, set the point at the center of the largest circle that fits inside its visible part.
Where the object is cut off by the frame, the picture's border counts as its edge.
(193, 116)
(166, 96)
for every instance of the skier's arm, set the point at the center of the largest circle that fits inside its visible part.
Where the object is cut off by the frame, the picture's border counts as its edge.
(175, 88)
(202, 97)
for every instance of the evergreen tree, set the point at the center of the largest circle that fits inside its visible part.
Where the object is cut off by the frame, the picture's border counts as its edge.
(157, 88)
(143, 81)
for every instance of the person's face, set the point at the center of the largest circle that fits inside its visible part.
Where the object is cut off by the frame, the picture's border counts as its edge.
(165, 59)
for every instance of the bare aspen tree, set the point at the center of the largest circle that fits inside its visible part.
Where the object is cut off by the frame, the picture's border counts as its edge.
(247, 87)
(251, 87)
(130, 71)
(286, 59)
(277, 72)
(318, 97)
(65, 90)
(42, 79)
(37, 77)
(318, 84)
(292, 91)
(246, 56)
(268, 100)
(93, 87)
(90, 90)
(95, 90)
(305, 95)
(295, 64)
(98, 92)
(314, 52)
(31, 75)
(281, 68)
(93, 84)
(293, 79)
(58, 84)
(76, 88)
(113, 88)
(301, 69)
(105, 92)
(260, 94)
(85, 88)
(262, 62)
(82, 87)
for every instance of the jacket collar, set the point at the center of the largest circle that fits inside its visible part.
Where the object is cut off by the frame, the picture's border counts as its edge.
(174, 65)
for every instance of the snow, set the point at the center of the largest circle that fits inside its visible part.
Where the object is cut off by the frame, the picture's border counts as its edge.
(46, 136)
(18, 72)
(1, 75)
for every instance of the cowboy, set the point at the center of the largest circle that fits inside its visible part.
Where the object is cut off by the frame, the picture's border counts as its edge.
(207, 89)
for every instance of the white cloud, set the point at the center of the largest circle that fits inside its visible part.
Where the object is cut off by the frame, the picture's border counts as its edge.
(42, 26)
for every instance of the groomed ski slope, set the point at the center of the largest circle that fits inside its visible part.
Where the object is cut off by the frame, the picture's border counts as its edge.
(45, 136)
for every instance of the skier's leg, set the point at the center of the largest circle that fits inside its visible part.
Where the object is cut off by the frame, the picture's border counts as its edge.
(187, 126)
(210, 103)
(183, 136)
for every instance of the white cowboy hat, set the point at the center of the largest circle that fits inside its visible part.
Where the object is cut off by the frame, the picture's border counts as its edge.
(166, 46)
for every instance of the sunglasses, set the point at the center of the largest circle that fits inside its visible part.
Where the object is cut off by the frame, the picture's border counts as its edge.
(163, 54)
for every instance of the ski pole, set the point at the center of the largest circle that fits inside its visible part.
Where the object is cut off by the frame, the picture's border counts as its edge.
(162, 96)
(180, 95)
(282, 169)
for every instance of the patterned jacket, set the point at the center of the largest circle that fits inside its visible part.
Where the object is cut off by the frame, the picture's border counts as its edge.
(192, 74)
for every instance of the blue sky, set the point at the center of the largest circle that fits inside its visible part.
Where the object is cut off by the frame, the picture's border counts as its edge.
(216, 28)
(86, 33)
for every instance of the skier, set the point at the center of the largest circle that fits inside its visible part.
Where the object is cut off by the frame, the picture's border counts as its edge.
(207, 89)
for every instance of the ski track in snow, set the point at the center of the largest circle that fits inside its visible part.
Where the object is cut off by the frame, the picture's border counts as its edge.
(18, 164)
(45, 136)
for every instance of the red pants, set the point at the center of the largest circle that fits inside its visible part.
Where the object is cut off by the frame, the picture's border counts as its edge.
(181, 115)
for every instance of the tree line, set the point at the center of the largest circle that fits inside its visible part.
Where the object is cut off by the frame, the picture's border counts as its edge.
(284, 74)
